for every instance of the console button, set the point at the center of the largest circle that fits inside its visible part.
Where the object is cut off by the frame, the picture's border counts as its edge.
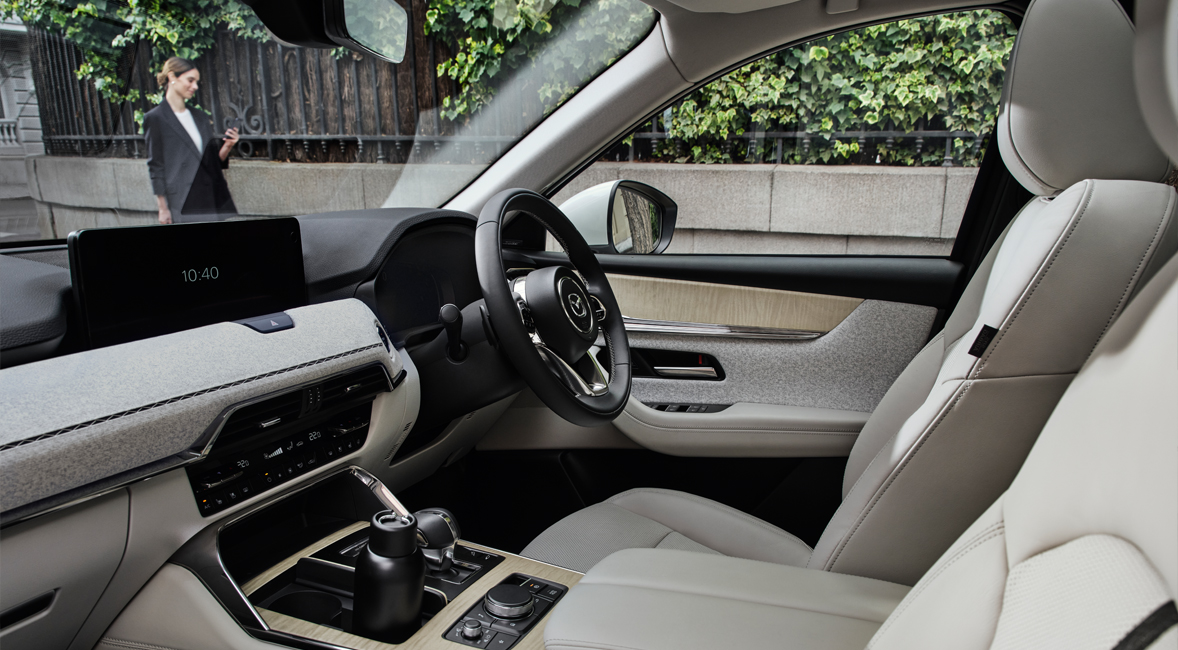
(534, 586)
(205, 505)
(503, 641)
(514, 627)
(542, 605)
(479, 615)
(551, 592)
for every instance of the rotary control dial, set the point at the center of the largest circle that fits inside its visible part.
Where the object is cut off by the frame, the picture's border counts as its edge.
(509, 601)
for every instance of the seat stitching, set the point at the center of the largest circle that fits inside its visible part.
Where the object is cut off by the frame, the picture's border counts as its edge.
(1042, 275)
(898, 470)
(134, 644)
(707, 502)
(993, 531)
(1136, 272)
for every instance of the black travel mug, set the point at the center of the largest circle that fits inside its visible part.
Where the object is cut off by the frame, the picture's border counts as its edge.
(390, 580)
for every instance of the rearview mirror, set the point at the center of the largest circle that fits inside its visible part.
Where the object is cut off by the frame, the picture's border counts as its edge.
(624, 217)
(376, 27)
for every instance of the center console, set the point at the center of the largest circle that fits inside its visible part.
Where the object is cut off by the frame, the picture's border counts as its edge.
(307, 572)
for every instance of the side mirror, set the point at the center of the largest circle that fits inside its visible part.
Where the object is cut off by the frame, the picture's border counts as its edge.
(624, 217)
(377, 27)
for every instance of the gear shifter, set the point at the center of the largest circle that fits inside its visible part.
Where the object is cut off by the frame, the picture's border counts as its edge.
(437, 533)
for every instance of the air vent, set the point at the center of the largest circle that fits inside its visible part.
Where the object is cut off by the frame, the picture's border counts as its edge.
(359, 384)
(266, 415)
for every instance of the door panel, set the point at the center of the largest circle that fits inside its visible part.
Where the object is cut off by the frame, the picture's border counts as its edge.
(744, 430)
(849, 368)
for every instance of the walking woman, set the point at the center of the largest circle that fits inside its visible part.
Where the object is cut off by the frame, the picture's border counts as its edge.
(185, 171)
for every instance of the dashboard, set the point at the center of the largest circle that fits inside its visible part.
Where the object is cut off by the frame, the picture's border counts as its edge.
(373, 282)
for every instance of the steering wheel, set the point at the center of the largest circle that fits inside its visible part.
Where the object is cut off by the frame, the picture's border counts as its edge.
(548, 321)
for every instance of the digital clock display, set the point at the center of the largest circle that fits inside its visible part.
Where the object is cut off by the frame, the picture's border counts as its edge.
(209, 273)
(133, 283)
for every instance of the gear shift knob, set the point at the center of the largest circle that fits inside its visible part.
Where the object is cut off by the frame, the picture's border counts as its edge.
(437, 533)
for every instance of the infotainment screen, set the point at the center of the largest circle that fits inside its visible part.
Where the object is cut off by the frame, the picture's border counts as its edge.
(133, 283)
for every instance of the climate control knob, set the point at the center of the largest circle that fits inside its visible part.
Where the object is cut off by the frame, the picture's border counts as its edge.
(509, 601)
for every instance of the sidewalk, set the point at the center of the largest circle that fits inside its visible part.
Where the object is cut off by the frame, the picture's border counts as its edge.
(18, 215)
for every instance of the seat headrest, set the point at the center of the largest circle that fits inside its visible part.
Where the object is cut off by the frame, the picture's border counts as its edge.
(1155, 67)
(1069, 106)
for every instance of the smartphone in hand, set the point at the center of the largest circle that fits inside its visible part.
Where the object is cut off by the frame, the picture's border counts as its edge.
(235, 123)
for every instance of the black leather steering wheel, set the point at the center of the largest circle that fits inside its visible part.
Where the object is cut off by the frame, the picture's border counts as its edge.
(548, 321)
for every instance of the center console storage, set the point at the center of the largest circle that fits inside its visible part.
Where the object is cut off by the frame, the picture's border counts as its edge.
(290, 573)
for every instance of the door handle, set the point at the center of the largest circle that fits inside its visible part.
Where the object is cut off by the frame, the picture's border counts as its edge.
(686, 372)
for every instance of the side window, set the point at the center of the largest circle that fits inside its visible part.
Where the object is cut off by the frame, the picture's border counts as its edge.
(862, 143)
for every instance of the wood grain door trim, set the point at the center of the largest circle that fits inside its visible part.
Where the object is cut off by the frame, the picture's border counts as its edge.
(718, 304)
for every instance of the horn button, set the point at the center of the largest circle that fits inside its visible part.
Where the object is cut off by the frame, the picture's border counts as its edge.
(560, 306)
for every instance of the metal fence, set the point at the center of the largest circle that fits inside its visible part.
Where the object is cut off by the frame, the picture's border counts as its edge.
(306, 105)
(297, 104)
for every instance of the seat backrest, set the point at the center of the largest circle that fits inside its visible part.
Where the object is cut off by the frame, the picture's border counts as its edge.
(1082, 550)
(950, 435)
(1155, 64)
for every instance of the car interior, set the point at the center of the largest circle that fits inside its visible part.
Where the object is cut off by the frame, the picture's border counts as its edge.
(498, 424)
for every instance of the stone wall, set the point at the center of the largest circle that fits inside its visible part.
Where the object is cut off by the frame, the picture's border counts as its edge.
(722, 208)
(814, 209)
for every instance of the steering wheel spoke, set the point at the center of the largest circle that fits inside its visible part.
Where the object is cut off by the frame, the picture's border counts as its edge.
(595, 385)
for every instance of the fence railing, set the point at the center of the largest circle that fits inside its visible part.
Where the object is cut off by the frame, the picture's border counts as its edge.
(296, 104)
(307, 105)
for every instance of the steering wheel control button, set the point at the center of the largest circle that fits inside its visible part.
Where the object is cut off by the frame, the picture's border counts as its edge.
(508, 601)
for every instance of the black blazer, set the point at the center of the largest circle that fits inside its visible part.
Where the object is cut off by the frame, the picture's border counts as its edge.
(173, 160)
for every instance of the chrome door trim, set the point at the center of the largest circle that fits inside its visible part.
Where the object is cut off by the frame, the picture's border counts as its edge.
(677, 328)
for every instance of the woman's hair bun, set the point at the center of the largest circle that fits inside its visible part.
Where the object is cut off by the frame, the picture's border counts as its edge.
(174, 65)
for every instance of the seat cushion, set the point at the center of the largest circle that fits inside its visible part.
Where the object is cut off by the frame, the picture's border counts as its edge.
(651, 599)
(656, 518)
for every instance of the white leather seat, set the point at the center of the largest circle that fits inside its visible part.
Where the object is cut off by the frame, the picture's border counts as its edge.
(1081, 552)
(951, 433)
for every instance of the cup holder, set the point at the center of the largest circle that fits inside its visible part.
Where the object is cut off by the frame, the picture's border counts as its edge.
(314, 606)
(431, 603)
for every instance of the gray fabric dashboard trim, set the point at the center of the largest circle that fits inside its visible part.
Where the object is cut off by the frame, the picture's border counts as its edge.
(148, 407)
(849, 368)
(77, 420)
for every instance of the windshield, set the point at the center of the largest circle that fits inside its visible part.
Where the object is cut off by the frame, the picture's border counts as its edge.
(119, 114)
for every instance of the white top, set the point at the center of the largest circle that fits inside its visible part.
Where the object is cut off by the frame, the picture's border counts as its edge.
(190, 126)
